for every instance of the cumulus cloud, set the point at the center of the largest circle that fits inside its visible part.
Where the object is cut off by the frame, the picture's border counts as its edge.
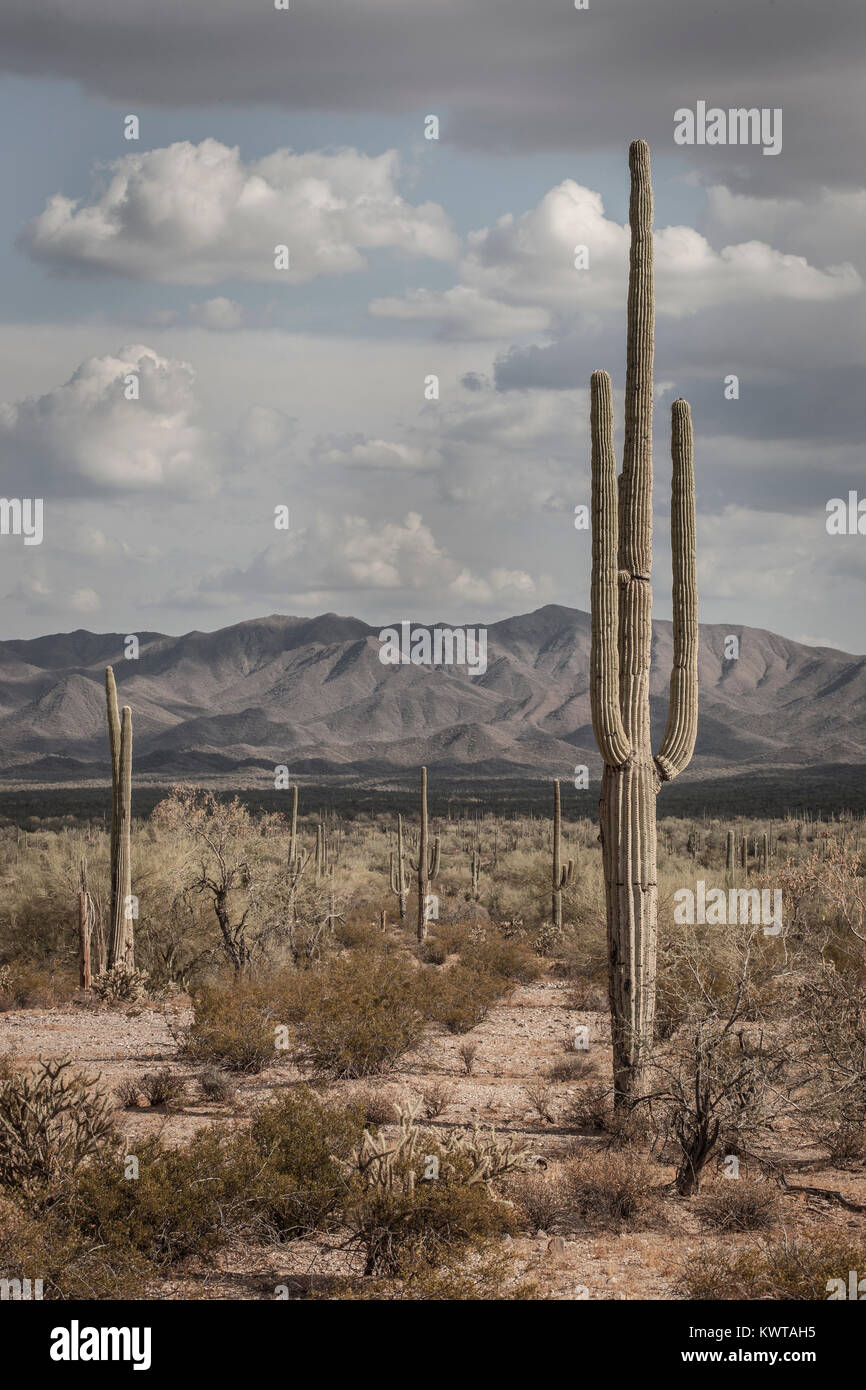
(197, 214)
(338, 554)
(86, 436)
(519, 276)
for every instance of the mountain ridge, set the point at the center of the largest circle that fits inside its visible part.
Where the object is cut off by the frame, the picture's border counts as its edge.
(312, 692)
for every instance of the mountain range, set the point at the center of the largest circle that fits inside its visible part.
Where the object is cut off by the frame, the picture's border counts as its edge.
(313, 695)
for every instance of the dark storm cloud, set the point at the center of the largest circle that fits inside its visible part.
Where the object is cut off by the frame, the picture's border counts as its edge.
(511, 75)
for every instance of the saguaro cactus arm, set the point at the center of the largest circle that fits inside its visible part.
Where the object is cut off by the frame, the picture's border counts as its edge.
(682, 725)
(613, 744)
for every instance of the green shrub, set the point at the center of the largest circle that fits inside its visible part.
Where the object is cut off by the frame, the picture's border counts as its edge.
(182, 1201)
(461, 998)
(234, 1026)
(357, 1015)
(69, 1264)
(299, 1146)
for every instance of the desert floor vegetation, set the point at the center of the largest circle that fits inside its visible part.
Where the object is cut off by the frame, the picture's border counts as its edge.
(292, 1095)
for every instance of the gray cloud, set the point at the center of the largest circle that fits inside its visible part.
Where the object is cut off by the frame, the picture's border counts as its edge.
(504, 75)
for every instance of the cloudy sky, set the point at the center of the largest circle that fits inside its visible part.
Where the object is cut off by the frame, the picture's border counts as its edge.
(262, 387)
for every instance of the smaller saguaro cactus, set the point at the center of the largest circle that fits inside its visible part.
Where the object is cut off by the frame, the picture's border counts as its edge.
(744, 851)
(562, 873)
(322, 851)
(729, 854)
(293, 841)
(398, 880)
(475, 862)
(427, 864)
(765, 850)
(122, 945)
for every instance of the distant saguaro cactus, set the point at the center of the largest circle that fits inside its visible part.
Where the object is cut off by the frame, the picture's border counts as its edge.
(398, 880)
(729, 854)
(293, 841)
(121, 941)
(622, 647)
(562, 873)
(427, 865)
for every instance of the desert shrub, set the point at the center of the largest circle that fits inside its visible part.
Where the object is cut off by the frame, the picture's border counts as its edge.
(68, 1263)
(184, 1201)
(413, 1198)
(375, 1105)
(739, 1206)
(540, 1201)
(467, 1053)
(494, 954)
(481, 1271)
(542, 1098)
(162, 1087)
(847, 1145)
(435, 1098)
(358, 1014)
(304, 1143)
(462, 997)
(591, 1108)
(121, 984)
(233, 1026)
(607, 1188)
(127, 1093)
(26, 984)
(51, 1121)
(434, 951)
(216, 1085)
(572, 1068)
(783, 1269)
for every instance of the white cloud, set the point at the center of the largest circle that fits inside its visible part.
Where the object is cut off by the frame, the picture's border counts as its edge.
(519, 276)
(87, 437)
(197, 214)
(220, 314)
(356, 451)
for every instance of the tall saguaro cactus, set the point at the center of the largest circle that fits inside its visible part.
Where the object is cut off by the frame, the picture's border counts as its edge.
(121, 944)
(427, 866)
(562, 873)
(622, 646)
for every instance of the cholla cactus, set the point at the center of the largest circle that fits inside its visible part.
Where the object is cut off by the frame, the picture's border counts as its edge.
(622, 649)
(427, 865)
(562, 873)
(397, 878)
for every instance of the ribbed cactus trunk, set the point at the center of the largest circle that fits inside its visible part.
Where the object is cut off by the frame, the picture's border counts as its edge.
(293, 841)
(427, 866)
(561, 874)
(113, 714)
(398, 881)
(622, 648)
(121, 939)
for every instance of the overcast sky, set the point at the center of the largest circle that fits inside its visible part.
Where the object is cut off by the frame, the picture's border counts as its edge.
(408, 258)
